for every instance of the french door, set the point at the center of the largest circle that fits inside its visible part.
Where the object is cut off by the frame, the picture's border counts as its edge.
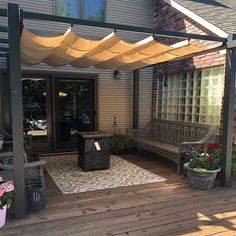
(74, 110)
(37, 111)
(55, 109)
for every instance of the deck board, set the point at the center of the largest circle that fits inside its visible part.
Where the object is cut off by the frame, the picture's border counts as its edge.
(166, 208)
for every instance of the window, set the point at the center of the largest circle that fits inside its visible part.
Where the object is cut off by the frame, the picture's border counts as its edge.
(194, 96)
(84, 9)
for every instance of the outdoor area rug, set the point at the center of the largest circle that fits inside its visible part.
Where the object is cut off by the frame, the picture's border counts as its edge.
(69, 178)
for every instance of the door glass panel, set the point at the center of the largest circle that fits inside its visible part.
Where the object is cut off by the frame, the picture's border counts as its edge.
(35, 107)
(75, 106)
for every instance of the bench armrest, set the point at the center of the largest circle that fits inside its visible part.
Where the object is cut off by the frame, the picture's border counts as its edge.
(34, 164)
(196, 145)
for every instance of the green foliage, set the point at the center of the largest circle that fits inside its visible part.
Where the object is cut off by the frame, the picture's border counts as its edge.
(233, 166)
(7, 199)
(121, 144)
(205, 161)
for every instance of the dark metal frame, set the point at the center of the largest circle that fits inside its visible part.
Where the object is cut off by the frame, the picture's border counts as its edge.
(228, 112)
(44, 17)
(16, 108)
(14, 26)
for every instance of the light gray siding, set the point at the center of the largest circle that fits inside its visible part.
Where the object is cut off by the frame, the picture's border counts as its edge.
(115, 97)
(145, 96)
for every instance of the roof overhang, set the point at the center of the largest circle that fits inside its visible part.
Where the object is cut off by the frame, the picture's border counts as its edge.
(197, 19)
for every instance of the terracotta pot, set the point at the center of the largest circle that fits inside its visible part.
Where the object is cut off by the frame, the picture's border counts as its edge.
(201, 179)
(3, 213)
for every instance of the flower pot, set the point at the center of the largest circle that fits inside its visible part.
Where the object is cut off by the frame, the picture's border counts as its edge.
(3, 213)
(201, 179)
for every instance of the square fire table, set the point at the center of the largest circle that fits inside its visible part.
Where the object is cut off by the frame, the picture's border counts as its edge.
(93, 150)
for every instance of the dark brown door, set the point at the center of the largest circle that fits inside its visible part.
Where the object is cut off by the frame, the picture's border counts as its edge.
(74, 110)
(37, 111)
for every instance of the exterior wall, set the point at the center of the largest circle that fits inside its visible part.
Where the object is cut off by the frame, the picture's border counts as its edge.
(168, 18)
(114, 96)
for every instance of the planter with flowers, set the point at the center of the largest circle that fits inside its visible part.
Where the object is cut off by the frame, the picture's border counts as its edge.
(203, 167)
(6, 198)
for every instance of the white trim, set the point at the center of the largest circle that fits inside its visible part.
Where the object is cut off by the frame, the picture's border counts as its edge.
(197, 18)
(180, 44)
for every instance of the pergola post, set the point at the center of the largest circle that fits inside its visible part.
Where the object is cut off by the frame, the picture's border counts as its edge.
(136, 99)
(228, 112)
(16, 108)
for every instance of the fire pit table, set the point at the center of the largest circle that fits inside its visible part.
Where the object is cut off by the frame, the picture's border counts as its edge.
(93, 150)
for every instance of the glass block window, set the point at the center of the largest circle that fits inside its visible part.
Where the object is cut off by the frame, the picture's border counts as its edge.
(194, 96)
(84, 9)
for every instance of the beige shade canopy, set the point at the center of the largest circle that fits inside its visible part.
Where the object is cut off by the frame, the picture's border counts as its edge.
(110, 52)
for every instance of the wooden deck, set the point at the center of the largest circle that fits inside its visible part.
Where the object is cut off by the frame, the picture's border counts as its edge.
(169, 208)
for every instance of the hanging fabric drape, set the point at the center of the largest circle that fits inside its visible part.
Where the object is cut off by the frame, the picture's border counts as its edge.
(110, 52)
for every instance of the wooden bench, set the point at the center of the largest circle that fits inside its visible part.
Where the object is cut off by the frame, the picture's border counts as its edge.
(172, 139)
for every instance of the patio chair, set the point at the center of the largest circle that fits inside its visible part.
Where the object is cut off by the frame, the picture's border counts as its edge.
(1, 142)
(8, 140)
(34, 180)
(33, 170)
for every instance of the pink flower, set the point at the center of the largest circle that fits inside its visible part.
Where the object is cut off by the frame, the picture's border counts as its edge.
(2, 191)
(8, 186)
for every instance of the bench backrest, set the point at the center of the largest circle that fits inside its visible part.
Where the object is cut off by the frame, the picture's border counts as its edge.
(174, 132)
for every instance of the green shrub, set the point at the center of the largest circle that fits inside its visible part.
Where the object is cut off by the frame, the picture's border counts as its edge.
(121, 144)
(233, 166)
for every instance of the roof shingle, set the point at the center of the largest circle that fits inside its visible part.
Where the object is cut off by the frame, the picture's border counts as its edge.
(221, 13)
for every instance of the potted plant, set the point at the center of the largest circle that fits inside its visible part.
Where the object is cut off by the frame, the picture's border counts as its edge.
(6, 198)
(203, 167)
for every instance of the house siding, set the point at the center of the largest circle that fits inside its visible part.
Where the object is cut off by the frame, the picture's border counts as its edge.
(168, 18)
(115, 97)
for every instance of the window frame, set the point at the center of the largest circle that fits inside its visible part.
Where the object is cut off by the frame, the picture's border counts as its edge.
(81, 12)
(164, 107)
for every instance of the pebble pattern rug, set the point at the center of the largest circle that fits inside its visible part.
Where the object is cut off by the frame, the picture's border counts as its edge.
(69, 178)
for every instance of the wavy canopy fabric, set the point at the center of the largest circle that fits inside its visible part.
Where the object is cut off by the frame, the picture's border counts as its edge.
(110, 52)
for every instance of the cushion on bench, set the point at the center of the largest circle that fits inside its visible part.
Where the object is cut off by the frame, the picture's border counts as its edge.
(159, 147)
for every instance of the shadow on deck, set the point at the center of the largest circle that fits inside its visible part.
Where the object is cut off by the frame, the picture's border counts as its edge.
(167, 208)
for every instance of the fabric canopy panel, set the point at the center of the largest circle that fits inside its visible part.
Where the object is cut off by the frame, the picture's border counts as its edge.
(110, 52)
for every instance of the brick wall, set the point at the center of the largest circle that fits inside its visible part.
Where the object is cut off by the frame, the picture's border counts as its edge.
(168, 18)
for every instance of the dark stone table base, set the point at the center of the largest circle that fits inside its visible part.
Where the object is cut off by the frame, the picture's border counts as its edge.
(89, 158)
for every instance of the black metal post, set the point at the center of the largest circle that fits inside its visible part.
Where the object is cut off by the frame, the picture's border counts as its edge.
(16, 108)
(136, 99)
(228, 112)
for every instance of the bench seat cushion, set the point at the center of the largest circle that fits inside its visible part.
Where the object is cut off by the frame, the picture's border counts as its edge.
(169, 150)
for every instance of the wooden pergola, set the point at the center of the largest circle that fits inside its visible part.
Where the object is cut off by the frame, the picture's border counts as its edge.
(12, 53)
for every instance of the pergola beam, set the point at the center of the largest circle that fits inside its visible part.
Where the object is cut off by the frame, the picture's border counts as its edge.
(148, 30)
(228, 113)
(16, 108)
